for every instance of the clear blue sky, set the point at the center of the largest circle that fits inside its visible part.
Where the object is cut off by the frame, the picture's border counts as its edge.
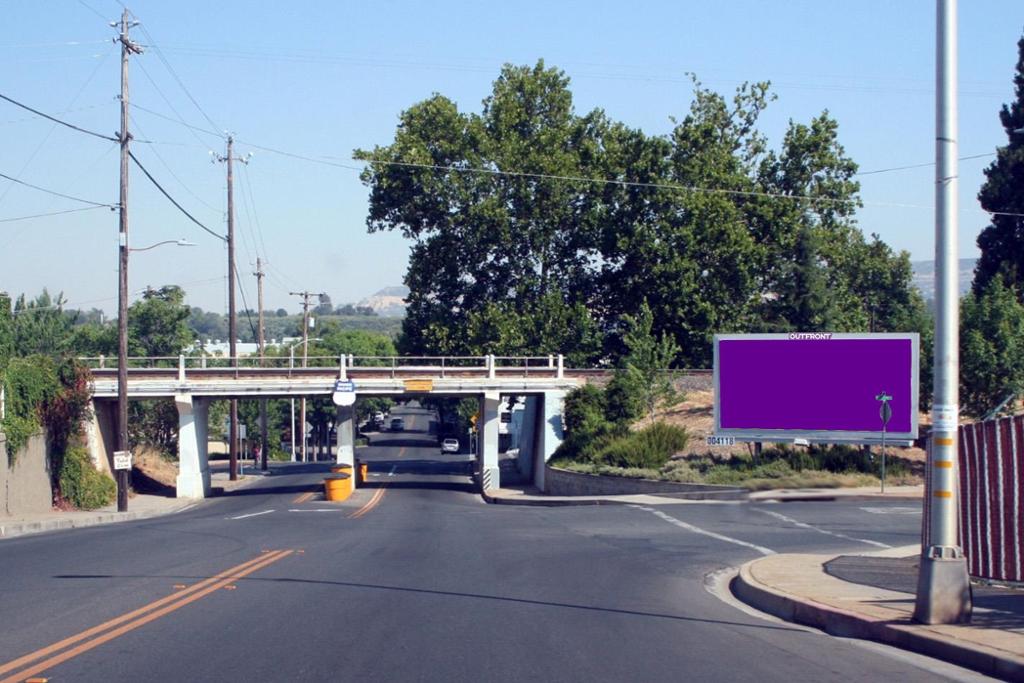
(318, 79)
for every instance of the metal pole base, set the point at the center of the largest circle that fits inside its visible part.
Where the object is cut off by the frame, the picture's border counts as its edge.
(943, 587)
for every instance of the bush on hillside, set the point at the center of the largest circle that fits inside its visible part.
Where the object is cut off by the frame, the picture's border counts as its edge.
(650, 447)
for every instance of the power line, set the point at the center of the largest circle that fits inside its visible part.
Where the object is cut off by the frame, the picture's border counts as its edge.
(168, 103)
(160, 55)
(248, 311)
(926, 165)
(56, 120)
(171, 199)
(54, 213)
(58, 194)
(179, 122)
(175, 176)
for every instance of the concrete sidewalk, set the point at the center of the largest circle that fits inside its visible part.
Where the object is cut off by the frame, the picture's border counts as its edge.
(798, 588)
(140, 506)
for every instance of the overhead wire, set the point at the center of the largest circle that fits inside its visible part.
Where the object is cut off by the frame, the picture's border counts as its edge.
(167, 101)
(172, 199)
(252, 202)
(175, 176)
(174, 74)
(248, 311)
(56, 120)
(53, 213)
(55, 193)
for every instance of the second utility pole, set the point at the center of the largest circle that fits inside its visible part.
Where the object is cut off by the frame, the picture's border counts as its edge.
(232, 322)
(264, 446)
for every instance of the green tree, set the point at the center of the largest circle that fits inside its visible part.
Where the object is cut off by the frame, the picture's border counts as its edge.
(991, 347)
(645, 368)
(40, 326)
(1002, 242)
(525, 239)
(6, 331)
(157, 325)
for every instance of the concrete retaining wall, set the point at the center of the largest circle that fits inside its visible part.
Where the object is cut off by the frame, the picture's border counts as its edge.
(558, 482)
(25, 482)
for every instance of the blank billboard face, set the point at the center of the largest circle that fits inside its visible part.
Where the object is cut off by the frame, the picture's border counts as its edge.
(815, 385)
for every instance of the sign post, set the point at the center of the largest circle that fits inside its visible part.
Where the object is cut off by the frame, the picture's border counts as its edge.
(884, 412)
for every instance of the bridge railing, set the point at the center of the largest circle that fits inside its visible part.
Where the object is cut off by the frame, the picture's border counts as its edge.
(488, 365)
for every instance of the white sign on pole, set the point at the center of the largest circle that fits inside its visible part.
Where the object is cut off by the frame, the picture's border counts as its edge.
(122, 460)
(344, 393)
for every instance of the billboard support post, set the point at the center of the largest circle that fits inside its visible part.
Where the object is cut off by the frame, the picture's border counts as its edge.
(943, 584)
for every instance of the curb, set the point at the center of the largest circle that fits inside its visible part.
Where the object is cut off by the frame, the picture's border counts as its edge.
(553, 502)
(845, 624)
(13, 529)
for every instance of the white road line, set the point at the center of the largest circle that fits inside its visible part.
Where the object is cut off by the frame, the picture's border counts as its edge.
(314, 510)
(705, 532)
(804, 525)
(392, 472)
(254, 514)
(188, 507)
(893, 511)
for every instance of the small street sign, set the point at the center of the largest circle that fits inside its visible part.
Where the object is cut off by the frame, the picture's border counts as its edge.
(344, 385)
(122, 460)
(721, 441)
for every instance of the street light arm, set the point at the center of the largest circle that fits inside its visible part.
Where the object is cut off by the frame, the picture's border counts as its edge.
(180, 243)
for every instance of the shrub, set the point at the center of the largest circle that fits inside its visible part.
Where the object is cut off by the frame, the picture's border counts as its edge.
(650, 447)
(30, 382)
(81, 484)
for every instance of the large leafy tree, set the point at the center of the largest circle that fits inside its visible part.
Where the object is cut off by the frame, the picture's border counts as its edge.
(1002, 242)
(157, 324)
(493, 249)
(991, 347)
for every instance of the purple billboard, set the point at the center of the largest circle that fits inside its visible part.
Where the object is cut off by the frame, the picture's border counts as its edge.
(819, 386)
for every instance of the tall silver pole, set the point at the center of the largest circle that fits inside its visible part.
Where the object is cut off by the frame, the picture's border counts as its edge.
(943, 587)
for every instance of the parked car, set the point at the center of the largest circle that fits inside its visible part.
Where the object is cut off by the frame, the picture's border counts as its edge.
(397, 424)
(450, 446)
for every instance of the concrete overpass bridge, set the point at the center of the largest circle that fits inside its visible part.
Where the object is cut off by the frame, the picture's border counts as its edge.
(192, 382)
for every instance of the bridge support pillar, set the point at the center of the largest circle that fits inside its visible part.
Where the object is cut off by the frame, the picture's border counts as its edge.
(345, 424)
(549, 433)
(101, 435)
(487, 447)
(193, 434)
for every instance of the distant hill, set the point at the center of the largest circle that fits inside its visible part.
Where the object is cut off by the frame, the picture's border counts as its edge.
(924, 276)
(388, 302)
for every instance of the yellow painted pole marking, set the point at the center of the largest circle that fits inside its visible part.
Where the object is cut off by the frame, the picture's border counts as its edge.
(943, 441)
(945, 464)
(166, 605)
(943, 494)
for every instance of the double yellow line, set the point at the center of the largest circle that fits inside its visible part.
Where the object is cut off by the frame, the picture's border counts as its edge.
(377, 496)
(83, 642)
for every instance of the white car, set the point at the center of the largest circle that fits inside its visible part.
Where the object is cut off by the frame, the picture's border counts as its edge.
(450, 446)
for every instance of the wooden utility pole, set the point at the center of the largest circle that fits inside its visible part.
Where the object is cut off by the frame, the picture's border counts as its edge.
(264, 446)
(305, 355)
(232, 317)
(123, 476)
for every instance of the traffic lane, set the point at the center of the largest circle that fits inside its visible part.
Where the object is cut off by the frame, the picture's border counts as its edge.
(793, 528)
(439, 585)
(66, 580)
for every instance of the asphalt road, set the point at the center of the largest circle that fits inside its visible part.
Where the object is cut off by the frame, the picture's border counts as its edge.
(416, 579)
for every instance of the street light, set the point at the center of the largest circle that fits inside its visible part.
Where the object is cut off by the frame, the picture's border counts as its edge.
(291, 365)
(122, 344)
(181, 243)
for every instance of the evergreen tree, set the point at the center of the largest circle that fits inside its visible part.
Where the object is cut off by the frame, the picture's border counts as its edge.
(1002, 242)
